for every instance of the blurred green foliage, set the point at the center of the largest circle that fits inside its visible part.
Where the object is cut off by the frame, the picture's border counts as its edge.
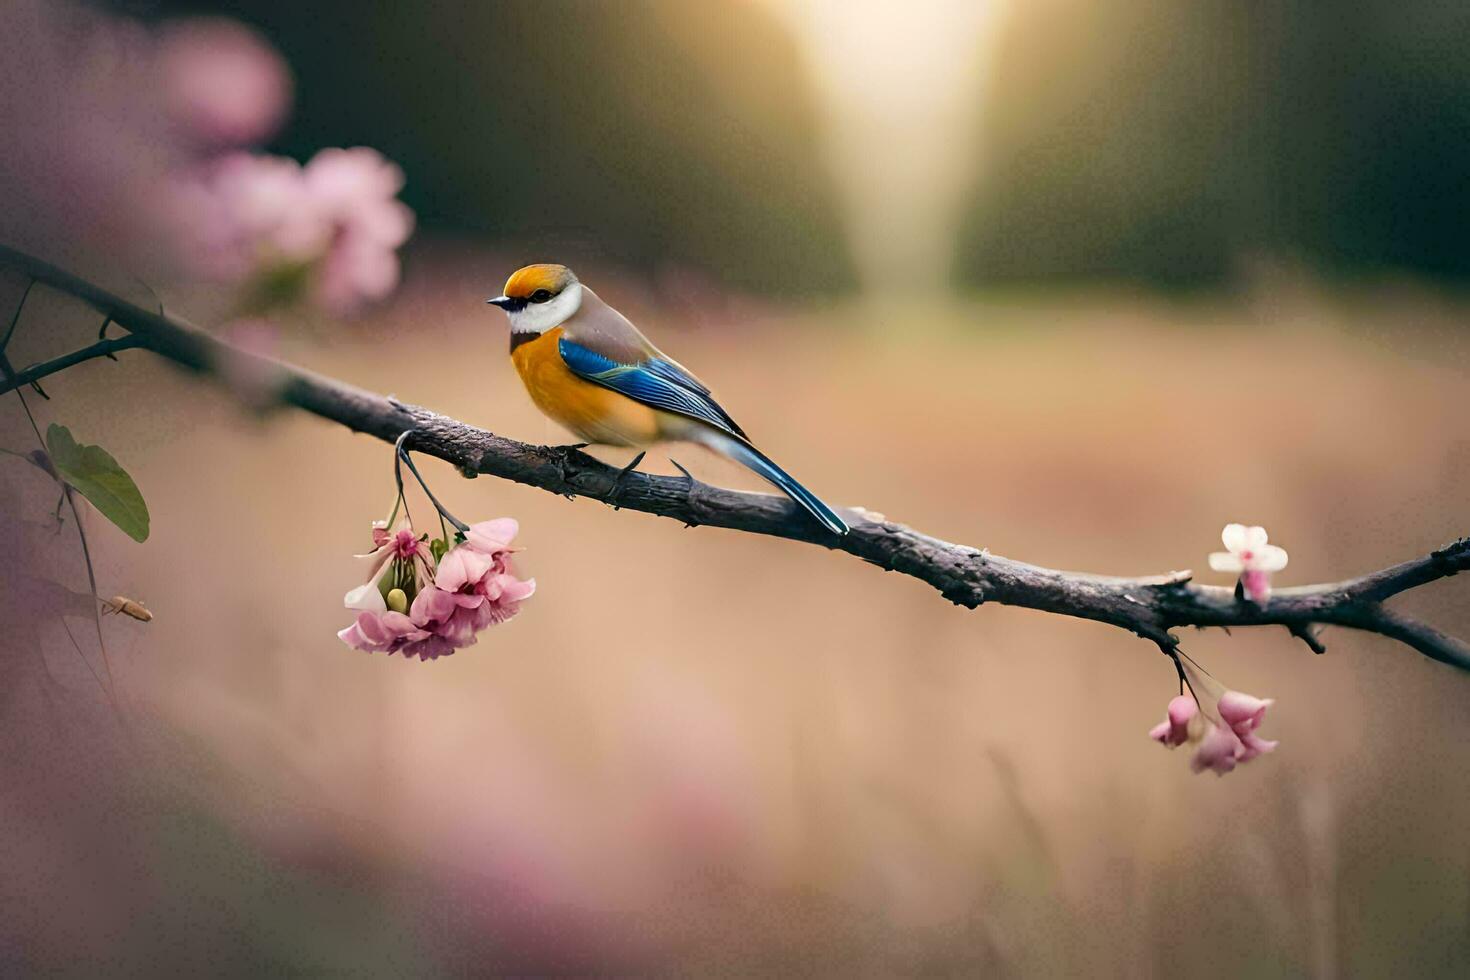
(642, 132)
(1165, 142)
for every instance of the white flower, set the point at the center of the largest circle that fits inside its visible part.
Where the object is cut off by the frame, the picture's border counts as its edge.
(1248, 554)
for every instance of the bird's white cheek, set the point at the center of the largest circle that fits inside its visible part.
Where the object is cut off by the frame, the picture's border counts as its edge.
(541, 317)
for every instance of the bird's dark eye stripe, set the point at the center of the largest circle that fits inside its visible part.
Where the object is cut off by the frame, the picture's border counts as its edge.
(541, 296)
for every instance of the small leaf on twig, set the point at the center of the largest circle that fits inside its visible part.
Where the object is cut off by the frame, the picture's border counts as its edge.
(93, 473)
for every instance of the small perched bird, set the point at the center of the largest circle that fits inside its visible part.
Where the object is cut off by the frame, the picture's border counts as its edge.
(588, 368)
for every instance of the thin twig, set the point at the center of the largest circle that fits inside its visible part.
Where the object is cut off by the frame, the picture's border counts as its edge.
(15, 317)
(103, 348)
(1149, 607)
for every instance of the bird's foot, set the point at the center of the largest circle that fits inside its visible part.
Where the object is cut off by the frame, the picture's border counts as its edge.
(570, 447)
(615, 495)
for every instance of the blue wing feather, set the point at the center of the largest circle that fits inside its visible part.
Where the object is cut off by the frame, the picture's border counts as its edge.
(673, 372)
(656, 383)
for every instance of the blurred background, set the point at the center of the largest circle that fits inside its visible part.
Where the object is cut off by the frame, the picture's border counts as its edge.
(1077, 282)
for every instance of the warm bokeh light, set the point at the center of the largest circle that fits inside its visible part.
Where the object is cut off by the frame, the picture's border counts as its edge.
(901, 85)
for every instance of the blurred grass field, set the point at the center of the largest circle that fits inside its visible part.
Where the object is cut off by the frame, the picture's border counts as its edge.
(698, 751)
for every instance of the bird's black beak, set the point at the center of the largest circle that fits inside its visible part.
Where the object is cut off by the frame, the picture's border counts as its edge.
(507, 304)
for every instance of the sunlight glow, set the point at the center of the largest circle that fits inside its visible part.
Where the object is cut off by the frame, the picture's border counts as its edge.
(902, 122)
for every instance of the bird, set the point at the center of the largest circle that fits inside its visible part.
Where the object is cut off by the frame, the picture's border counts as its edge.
(588, 368)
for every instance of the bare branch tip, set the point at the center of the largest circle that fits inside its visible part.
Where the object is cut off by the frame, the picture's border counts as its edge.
(1308, 635)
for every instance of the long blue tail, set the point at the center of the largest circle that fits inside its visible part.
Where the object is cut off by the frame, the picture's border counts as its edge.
(747, 455)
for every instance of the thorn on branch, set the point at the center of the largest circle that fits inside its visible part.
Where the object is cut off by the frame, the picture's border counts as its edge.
(687, 475)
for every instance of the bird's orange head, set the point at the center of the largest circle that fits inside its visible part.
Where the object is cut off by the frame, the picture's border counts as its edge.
(539, 283)
(538, 298)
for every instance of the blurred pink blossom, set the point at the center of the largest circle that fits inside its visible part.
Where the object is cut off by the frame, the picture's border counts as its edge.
(117, 120)
(336, 221)
(222, 83)
(1244, 714)
(1218, 751)
(1174, 729)
(1219, 747)
(356, 192)
(1247, 553)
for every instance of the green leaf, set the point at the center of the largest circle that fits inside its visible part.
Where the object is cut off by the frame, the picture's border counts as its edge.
(93, 472)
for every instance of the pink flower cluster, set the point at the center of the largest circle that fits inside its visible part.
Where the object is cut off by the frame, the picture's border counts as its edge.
(332, 227)
(410, 606)
(1218, 747)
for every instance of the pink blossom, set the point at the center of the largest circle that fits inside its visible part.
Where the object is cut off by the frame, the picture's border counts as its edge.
(402, 545)
(1247, 553)
(331, 227)
(117, 120)
(269, 209)
(381, 632)
(221, 81)
(1218, 751)
(412, 606)
(356, 192)
(484, 590)
(1244, 714)
(401, 563)
(1174, 729)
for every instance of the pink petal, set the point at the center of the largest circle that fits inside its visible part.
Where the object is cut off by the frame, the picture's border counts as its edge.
(223, 81)
(354, 637)
(431, 647)
(1174, 729)
(513, 589)
(459, 630)
(432, 606)
(397, 623)
(494, 536)
(460, 567)
(1217, 751)
(372, 632)
(1243, 712)
(1252, 745)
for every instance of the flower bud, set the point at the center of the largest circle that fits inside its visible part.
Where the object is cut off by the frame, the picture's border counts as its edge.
(397, 600)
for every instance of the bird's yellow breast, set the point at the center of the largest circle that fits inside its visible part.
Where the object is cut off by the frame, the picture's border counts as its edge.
(596, 414)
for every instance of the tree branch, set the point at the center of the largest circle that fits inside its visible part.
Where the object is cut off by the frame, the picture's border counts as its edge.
(103, 348)
(1148, 607)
